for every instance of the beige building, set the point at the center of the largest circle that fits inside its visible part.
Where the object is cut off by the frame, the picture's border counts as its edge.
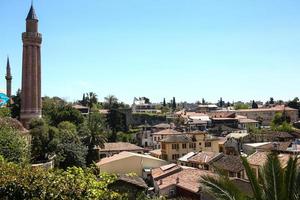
(128, 162)
(259, 158)
(158, 136)
(113, 148)
(176, 146)
(264, 115)
(174, 181)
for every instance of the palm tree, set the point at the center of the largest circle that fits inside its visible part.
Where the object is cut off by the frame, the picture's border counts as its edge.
(274, 182)
(110, 100)
(94, 135)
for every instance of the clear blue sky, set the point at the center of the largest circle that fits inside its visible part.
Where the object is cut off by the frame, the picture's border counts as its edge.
(237, 49)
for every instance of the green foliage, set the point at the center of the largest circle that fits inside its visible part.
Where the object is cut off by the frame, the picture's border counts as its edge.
(89, 99)
(71, 154)
(174, 104)
(239, 106)
(5, 112)
(274, 183)
(93, 133)
(13, 146)
(39, 131)
(280, 123)
(15, 106)
(55, 110)
(62, 141)
(26, 183)
(295, 103)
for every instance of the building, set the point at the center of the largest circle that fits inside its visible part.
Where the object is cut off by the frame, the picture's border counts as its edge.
(145, 136)
(203, 159)
(259, 158)
(143, 105)
(234, 142)
(263, 115)
(184, 160)
(82, 109)
(174, 181)
(250, 148)
(207, 108)
(228, 164)
(246, 124)
(8, 78)
(129, 184)
(128, 162)
(158, 136)
(31, 106)
(175, 146)
(113, 148)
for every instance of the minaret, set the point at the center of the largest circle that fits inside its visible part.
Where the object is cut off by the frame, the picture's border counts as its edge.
(31, 102)
(8, 78)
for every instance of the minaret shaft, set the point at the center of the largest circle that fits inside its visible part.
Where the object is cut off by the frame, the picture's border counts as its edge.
(31, 106)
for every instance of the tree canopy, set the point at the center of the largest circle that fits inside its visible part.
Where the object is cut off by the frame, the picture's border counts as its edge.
(13, 146)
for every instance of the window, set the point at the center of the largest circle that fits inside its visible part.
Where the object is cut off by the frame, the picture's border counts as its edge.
(192, 145)
(163, 146)
(165, 157)
(175, 146)
(207, 144)
(200, 144)
(175, 156)
(154, 138)
(184, 146)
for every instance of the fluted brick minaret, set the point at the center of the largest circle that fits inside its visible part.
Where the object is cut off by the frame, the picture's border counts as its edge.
(8, 78)
(31, 102)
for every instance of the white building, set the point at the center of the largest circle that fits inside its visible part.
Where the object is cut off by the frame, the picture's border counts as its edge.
(143, 105)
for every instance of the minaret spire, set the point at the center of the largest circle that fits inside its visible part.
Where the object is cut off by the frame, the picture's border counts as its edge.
(8, 71)
(8, 78)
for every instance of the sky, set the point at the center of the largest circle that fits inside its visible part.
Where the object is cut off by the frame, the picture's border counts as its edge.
(188, 49)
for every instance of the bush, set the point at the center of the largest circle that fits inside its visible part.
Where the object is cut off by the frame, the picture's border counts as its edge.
(26, 183)
(13, 146)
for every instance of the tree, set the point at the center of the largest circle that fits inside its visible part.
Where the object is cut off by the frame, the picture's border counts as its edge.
(70, 151)
(272, 100)
(275, 182)
(110, 101)
(221, 102)
(294, 104)
(93, 134)
(254, 105)
(71, 154)
(39, 131)
(174, 104)
(91, 99)
(15, 105)
(13, 147)
(56, 110)
(164, 103)
(117, 122)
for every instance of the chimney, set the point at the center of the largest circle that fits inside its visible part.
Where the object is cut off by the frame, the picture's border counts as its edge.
(177, 180)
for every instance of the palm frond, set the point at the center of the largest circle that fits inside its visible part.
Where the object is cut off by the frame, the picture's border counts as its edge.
(272, 178)
(290, 176)
(256, 188)
(221, 188)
